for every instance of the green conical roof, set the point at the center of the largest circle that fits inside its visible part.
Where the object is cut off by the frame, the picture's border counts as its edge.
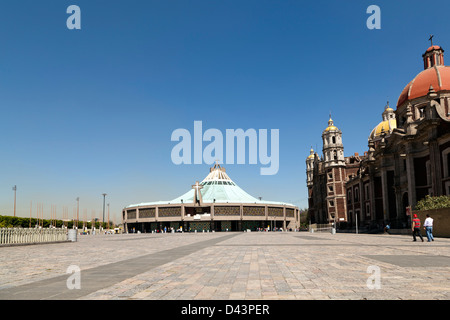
(217, 187)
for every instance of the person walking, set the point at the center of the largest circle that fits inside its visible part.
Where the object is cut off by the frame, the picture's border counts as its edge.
(416, 227)
(428, 226)
(387, 228)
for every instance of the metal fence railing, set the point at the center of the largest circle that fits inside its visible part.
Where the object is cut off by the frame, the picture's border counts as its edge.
(327, 228)
(31, 235)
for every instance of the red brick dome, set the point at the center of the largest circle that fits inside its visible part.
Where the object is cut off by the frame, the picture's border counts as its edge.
(437, 76)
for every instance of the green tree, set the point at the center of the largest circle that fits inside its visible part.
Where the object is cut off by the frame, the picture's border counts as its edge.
(429, 203)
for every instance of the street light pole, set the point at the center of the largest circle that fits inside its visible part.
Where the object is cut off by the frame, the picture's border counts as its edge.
(104, 195)
(78, 210)
(108, 216)
(15, 189)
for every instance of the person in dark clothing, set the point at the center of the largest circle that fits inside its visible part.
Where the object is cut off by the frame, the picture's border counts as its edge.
(416, 228)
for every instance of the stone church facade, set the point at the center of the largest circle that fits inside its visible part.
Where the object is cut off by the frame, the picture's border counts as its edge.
(408, 157)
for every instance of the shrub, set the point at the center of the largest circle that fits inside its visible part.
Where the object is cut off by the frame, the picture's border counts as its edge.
(429, 203)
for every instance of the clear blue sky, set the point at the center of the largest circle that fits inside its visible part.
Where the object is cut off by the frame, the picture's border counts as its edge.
(91, 111)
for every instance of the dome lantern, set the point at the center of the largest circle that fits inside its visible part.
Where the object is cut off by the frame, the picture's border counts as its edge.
(435, 74)
(434, 56)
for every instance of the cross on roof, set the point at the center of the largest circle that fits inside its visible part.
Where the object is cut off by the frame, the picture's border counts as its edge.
(197, 185)
(197, 193)
(431, 39)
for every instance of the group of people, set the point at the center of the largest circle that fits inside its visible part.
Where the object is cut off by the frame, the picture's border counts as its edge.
(427, 225)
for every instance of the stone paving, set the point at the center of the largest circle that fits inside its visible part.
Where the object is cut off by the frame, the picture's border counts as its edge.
(231, 266)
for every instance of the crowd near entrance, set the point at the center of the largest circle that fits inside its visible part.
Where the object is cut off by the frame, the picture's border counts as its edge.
(205, 226)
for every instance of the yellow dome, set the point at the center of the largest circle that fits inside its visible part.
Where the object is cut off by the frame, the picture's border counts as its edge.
(331, 128)
(311, 155)
(331, 125)
(385, 126)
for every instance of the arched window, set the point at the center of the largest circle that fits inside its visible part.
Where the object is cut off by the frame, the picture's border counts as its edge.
(334, 139)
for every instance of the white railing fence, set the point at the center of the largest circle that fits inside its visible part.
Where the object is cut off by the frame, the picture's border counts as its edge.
(31, 235)
(321, 228)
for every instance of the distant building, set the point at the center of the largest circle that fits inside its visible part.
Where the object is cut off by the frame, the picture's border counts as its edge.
(408, 157)
(215, 204)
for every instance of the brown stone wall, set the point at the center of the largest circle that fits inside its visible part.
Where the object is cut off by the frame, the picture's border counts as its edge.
(349, 171)
(340, 207)
(441, 221)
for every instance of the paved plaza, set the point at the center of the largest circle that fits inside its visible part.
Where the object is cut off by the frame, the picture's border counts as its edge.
(230, 266)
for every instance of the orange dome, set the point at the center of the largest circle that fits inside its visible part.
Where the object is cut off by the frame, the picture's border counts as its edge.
(437, 76)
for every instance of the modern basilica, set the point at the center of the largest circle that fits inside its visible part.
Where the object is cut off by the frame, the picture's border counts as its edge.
(215, 204)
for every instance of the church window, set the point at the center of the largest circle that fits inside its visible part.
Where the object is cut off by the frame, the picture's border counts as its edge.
(331, 203)
(421, 113)
(356, 194)
(335, 155)
(333, 139)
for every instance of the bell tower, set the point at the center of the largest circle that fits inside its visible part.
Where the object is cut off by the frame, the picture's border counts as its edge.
(335, 173)
(310, 168)
(333, 149)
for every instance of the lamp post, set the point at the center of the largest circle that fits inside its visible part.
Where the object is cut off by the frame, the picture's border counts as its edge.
(78, 209)
(108, 216)
(14, 189)
(104, 195)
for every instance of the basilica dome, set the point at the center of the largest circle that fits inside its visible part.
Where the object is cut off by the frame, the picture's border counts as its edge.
(386, 126)
(435, 74)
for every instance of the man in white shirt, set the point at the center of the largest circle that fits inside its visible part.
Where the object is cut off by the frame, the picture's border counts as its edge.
(428, 226)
